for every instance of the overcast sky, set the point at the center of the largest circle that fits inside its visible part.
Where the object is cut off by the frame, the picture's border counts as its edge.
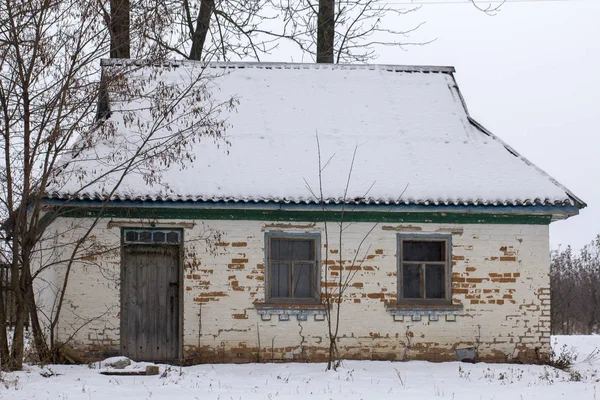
(529, 74)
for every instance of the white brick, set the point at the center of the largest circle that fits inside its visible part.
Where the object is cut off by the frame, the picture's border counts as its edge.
(93, 290)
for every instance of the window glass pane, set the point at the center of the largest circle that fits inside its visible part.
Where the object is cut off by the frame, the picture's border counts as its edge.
(173, 237)
(159, 237)
(131, 236)
(411, 281)
(145, 236)
(292, 249)
(302, 280)
(423, 251)
(434, 281)
(279, 278)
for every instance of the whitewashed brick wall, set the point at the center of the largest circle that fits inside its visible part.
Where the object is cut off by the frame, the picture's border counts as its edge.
(500, 277)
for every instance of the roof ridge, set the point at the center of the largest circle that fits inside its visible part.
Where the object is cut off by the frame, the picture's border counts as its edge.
(281, 65)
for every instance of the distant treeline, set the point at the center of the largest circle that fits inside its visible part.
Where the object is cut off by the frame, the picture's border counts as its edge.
(575, 288)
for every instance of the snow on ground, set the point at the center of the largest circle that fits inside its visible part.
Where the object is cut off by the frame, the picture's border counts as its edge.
(354, 380)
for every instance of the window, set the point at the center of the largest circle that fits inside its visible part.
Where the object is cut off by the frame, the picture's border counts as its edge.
(292, 268)
(424, 270)
(146, 236)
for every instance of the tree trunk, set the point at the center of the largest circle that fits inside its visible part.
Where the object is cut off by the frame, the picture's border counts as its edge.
(15, 362)
(39, 340)
(202, 26)
(325, 31)
(120, 44)
(4, 353)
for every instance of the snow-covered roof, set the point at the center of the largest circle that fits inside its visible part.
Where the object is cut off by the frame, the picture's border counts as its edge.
(406, 128)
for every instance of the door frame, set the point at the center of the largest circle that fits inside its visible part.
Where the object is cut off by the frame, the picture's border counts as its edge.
(180, 276)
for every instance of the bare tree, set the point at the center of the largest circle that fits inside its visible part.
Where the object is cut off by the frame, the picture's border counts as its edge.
(330, 31)
(575, 290)
(118, 26)
(338, 272)
(49, 87)
(47, 90)
(490, 9)
(202, 29)
(344, 31)
(325, 31)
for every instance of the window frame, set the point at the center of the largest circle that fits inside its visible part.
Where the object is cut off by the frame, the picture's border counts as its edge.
(165, 242)
(447, 239)
(316, 278)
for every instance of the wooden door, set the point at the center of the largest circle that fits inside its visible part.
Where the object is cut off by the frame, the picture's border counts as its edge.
(150, 302)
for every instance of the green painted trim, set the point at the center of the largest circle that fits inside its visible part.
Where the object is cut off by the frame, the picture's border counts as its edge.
(306, 216)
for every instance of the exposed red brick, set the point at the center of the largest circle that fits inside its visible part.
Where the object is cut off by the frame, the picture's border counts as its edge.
(511, 258)
(353, 268)
(239, 260)
(474, 280)
(329, 284)
(215, 294)
(209, 296)
(379, 251)
(239, 244)
(504, 280)
(239, 316)
(222, 244)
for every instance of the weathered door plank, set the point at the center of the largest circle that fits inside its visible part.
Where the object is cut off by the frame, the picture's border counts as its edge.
(150, 298)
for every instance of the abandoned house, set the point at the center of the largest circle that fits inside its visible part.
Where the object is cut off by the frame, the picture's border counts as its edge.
(372, 181)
